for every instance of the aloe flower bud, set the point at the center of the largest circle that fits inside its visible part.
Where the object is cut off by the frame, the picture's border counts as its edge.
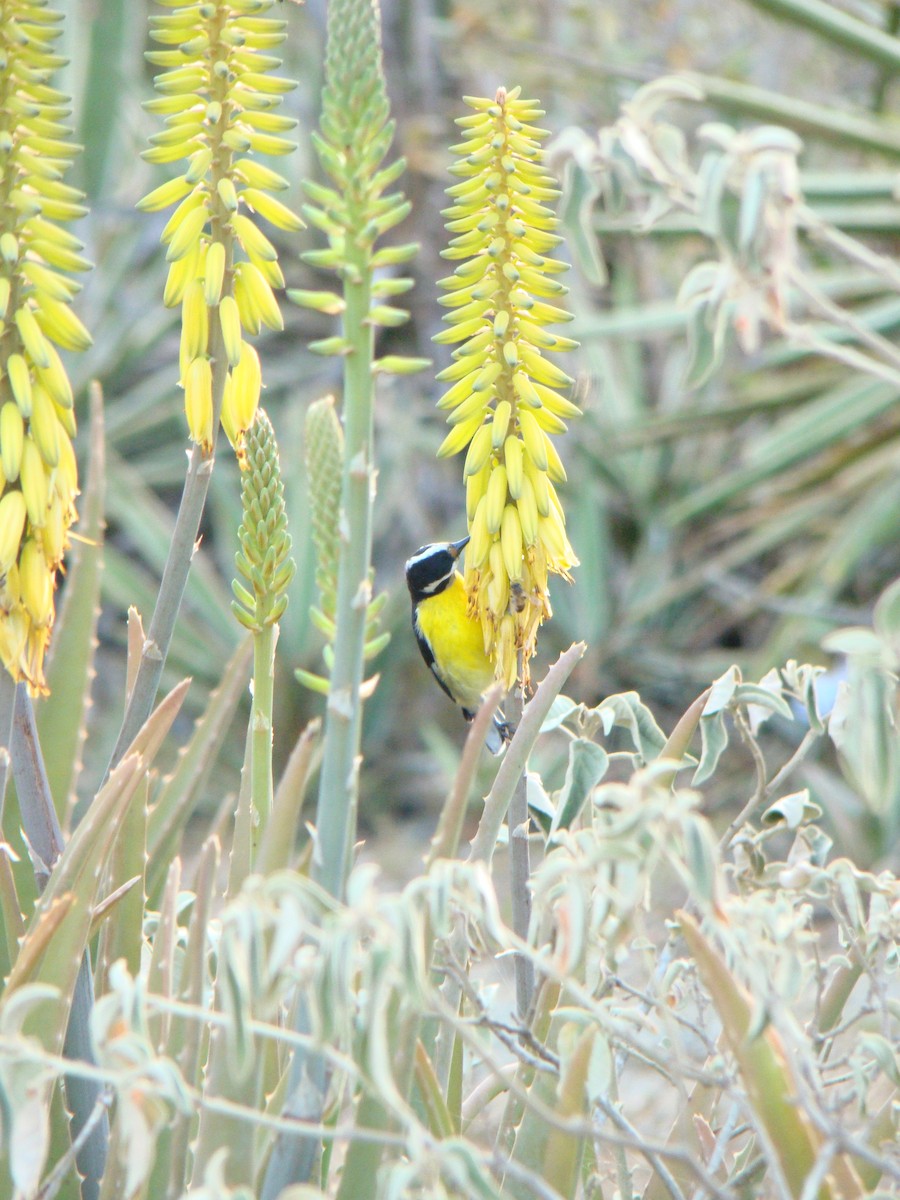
(504, 399)
(218, 97)
(264, 560)
(38, 475)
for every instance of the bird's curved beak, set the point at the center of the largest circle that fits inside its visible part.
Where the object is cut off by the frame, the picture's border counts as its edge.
(456, 548)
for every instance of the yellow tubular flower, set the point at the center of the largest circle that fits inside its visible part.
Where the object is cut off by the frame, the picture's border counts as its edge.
(39, 477)
(502, 402)
(218, 101)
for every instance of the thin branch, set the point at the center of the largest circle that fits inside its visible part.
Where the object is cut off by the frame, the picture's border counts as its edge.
(520, 872)
(7, 710)
(845, 319)
(497, 802)
(445, 843)
(767, 789)
(622, 1123)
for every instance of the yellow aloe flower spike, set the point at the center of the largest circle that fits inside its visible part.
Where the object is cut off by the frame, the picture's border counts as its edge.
(503, 402)
(38, 475)
(218, 98)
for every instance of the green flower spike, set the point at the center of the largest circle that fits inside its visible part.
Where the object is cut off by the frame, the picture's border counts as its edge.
(356, 135)
(38, 474)
(263, 562)
(265, 568)
(219, 99)
(503, 399)
(324, 439)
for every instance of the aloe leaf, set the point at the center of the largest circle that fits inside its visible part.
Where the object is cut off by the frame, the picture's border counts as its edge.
(61, 716)
(101, 103)
(175, 800)
(134, 645)
(11, 922)
(814, 120)
(820, 424)
(678, 741)
(188, 1039)
(122, 933)
(437, 1111)
(563, 1151)
(700, 1105)
(765, 1071)
(839, 27)
(160, 972)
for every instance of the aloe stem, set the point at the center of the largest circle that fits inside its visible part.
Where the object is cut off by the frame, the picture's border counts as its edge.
(261, 783)
(520, 872)
(43, 832)
(178, 564)
(7, 708)
(292, 1159)
(338, 782)
(499, 798)
(445, 843)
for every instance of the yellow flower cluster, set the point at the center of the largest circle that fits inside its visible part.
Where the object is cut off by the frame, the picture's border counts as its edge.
(503, 399)
(38, 473)
(218, 99)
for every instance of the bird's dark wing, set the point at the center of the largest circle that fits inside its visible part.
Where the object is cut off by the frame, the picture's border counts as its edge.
(428, 655)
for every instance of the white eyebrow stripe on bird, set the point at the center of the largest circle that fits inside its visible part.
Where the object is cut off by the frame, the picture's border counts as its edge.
(423, 554)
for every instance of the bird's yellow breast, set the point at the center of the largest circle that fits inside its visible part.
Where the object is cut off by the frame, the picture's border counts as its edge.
(456, 642)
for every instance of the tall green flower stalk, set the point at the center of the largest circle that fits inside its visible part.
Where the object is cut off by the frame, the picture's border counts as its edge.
(356, 133)
(218, 96)
(38, 474)
(504, 400)
(266, 568)
(324, 446)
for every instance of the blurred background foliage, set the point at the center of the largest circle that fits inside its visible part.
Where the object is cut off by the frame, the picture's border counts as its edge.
(736, 521)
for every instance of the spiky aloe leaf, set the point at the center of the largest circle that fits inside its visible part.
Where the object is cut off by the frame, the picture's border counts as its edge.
(765, 1071)
(188, 1039)
(175, 800)
(61, 716)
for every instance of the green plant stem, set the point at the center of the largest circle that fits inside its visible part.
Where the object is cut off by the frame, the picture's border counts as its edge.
(261, 783)
(293, 1157)
(7, 709)
(520, 873)
(338, 782)
(44, 835)
(445, 843)
(498, 799)
(178, 564)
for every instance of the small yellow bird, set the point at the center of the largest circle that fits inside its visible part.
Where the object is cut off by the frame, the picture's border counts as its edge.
(450, 640)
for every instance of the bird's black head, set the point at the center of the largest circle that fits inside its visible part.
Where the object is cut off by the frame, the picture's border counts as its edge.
(431, 568)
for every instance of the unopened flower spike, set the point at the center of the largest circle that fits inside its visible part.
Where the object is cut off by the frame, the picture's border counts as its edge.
(219, 99)
(38, 473)
(264, 563)
(503, 399)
